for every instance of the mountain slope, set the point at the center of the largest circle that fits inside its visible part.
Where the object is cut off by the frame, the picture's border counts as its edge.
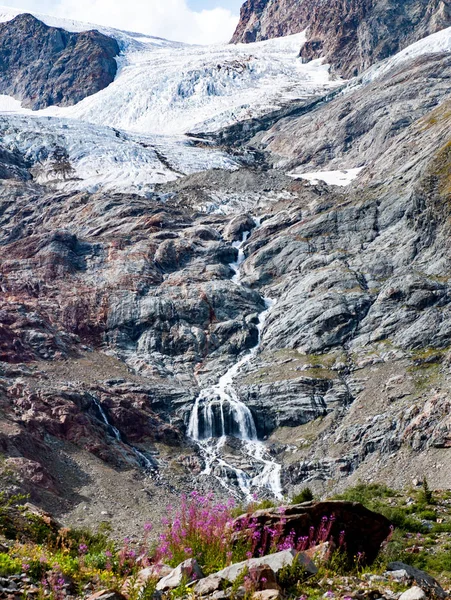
(308, 322)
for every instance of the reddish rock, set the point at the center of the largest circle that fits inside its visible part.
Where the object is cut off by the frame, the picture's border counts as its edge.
(32, 472)
(263, 578)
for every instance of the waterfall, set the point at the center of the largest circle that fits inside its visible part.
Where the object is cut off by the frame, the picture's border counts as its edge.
(218, 413)
(143, 461)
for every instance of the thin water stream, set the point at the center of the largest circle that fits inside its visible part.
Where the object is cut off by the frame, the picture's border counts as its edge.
(218, 413)
(144, 462)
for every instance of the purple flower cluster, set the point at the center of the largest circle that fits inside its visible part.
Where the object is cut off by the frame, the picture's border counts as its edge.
(266, 538)
(201, 527)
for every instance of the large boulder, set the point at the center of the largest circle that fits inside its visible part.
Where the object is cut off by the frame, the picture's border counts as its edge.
(359, 530)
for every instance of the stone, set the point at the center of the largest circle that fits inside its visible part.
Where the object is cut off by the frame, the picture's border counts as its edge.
(189, 570)
(156, 572)
(272, 562)
(414, 593)
(423, 580)
(263, 577)
(400, 575)
(107, 595)
(269, 594)
(320, 553)
(237, 226)
(209, 585)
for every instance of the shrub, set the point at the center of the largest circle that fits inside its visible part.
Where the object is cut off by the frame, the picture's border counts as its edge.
(372, 496)
(291, 575)
(426, 494)
(9, 565)
(367, 494)
(306, 495)
(428, 515)
(439, 562)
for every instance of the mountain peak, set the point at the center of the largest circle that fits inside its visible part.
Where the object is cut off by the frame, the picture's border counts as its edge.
(64, 66)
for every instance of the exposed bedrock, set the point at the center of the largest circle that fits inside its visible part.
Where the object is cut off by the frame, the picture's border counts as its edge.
(44, 66)
(130, 303)
(351, 35)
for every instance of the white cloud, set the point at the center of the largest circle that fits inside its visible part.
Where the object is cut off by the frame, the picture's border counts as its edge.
(171, 19)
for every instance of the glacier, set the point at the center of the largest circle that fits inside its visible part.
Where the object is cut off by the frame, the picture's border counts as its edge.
(131, 136)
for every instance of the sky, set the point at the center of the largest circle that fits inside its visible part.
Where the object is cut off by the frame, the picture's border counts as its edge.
(192, 21)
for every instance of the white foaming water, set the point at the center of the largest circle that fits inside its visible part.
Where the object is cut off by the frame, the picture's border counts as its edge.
(241, 257)
(218, 413)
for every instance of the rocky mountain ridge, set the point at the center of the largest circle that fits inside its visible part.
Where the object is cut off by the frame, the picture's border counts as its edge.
(44, 66)
(351, 35)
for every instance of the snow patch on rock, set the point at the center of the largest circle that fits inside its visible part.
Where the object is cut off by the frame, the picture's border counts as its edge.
(340, 178)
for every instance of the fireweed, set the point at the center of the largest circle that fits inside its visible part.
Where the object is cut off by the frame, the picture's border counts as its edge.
(201, 529)
(270, 539)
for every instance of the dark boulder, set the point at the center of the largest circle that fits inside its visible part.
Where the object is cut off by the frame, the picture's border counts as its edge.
(425, 581)
(360, 531)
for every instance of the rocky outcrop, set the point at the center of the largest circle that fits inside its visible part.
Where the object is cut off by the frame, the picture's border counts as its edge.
(350, 35)
(13, 165)
(263, 19)
(44, 66)
(360, 125)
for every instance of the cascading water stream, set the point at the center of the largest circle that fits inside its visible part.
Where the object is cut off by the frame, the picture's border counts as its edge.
(144, 462)
(218, 413)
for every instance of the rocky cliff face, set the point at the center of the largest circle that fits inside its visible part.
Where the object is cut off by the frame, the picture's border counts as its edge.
(44, 66)
(351, 35)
